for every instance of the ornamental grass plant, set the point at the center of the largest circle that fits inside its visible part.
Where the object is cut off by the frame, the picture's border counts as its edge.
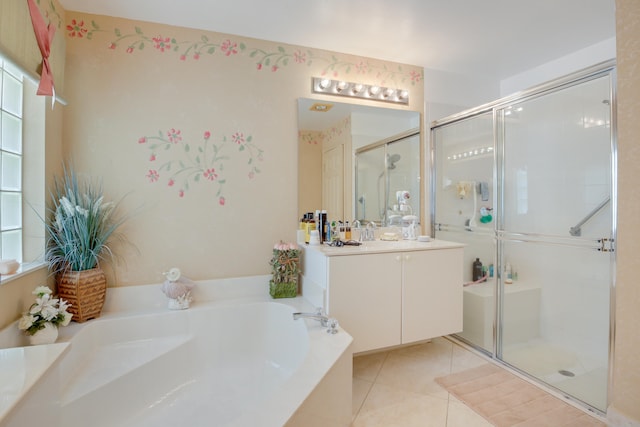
(81, 224)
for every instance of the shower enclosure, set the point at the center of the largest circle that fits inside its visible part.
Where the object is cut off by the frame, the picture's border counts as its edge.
(387, 184)
(528, 183)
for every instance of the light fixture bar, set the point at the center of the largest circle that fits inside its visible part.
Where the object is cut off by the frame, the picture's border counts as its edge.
(359, 90)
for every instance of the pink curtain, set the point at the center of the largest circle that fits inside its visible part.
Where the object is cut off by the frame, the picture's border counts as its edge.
(44, 36)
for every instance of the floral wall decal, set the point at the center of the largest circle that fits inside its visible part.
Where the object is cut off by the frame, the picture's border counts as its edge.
(310, 137)
(273, 60)
(195, 163)
(50, 12)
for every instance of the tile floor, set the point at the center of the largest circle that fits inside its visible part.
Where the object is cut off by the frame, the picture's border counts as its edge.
(398, 388)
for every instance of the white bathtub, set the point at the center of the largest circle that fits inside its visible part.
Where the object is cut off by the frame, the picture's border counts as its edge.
(231, 362)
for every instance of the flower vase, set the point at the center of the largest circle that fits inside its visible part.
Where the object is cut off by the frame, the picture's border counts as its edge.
(46, 335)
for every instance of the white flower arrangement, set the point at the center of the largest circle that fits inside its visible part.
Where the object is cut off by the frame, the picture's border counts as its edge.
(45, 310)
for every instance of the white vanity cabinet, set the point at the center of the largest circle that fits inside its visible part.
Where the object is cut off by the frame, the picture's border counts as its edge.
(363, 293)
(390, 293)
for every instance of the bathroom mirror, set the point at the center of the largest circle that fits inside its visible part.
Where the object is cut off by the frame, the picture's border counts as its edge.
(329, 134)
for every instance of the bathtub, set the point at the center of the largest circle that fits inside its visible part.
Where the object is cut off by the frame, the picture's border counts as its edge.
(240, 361)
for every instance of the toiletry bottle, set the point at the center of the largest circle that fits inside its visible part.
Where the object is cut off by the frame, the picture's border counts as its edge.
(490, 270)
(508, 278)
(324, 229)
(347, 231)
(321, 226)
(477, 270)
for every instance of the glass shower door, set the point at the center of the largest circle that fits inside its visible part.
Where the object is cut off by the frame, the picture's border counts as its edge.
(554, 238)
(464, 199)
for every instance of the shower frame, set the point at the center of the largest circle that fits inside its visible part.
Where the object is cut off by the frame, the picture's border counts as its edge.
(496, 108)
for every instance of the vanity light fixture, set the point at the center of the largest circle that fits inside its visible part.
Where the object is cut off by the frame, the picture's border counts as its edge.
(359, 90)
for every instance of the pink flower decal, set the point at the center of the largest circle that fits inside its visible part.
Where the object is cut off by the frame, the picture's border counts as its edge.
(210, 174)
(299, 57)
(222, 201)
(152, 158)
(274, 68)
(171, 182)
(183, 57)
(76, 29)
(238, 138)
(415, 76)
(162, 43)
(130, 49)
(259, 66)
(174, 136)
(207, 135)
(229, 48)
(153, 175)
(252, 175)
(112, 46)
(361, 68)
(181, 193)
(196, 56)
(142, 140)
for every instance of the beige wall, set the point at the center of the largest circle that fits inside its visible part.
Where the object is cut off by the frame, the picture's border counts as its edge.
(127, 91)
(626, 375)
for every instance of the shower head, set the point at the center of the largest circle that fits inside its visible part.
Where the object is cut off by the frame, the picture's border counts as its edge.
(392, 160)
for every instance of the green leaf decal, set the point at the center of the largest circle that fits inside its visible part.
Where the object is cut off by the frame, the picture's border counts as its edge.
(205, 39)
(186, 148)
(138, 30)
(281, 49)
(211, 50)
(117, 31)
(95, 25)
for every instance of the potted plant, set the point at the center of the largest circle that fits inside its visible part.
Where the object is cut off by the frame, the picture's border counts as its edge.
(43, 318)
(285, 267)
(80, 229)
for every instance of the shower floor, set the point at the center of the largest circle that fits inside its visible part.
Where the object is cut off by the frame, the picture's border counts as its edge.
(554, 365)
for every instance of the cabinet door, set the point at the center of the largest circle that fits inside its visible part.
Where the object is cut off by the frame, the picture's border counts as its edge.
(431, 294)
(364, 295)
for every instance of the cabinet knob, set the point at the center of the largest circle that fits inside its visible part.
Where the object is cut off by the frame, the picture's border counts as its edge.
(398, 258)
(407, 257)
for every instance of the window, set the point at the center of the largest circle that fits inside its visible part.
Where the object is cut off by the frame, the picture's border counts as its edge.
(11, 108)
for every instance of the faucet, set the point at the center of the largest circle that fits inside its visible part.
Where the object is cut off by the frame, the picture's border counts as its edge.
(368, 234)
(327, 322)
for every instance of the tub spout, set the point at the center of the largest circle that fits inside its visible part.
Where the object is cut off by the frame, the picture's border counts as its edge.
(327, 322)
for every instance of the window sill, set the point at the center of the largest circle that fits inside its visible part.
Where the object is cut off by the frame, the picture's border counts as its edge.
(25, 269)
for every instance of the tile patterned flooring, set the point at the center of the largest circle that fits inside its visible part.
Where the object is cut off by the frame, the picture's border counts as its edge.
(398, 388)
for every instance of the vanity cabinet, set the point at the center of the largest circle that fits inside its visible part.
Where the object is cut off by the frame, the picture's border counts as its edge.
(363, 293)
(387, 296)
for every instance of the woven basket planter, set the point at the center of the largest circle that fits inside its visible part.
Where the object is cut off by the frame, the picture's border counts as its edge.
(283, 290)
(85, 291)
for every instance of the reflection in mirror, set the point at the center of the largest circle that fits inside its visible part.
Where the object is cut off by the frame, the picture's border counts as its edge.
(387, 188)
(329, 133)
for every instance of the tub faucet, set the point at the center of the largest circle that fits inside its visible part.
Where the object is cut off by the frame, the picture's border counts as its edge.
(326, 322)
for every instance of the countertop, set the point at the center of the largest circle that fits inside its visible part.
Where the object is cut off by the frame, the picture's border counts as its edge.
(383, 246)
